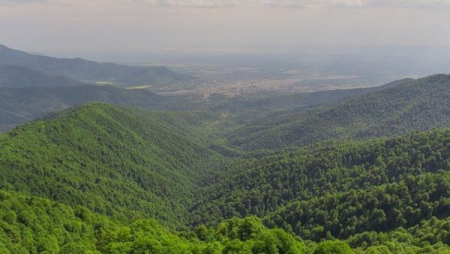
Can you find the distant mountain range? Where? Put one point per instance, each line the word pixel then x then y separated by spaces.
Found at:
pixel 82 70
pixel 17 76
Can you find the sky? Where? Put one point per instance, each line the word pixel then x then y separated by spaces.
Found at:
pixel 55 26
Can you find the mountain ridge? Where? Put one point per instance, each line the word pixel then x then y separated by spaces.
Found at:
pixel 417 105
pixel 90 71
pixel 18 76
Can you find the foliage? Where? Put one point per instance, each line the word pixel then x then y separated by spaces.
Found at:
pixel 37 225
pixel 333 247
pixel 337 191
pixel 32 224
pixel 118 162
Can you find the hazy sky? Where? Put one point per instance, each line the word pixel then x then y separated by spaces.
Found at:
pixel 157 25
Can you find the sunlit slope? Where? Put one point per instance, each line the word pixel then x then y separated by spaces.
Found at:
pixel 119 162
pixel 37 225
pixel 31 224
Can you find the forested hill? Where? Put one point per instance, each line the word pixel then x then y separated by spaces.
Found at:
pixel 417 105
pixel 83 179
pixel 17 76
pixel 20 105
pixel 118 162
pixel 355 190
pixel 84 70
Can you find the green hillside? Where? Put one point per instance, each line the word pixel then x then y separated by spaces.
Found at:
pixel 337 191
pixel 37 225
pixel 119 162
pixel 87 180
pixel 417 105
pixel 32 224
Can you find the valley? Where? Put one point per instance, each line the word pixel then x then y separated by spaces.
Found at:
pixel 221 168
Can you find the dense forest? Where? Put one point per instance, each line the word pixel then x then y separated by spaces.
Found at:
pixel 337 191
pixel 111 160
pixel 100 178
pixel 32 224
pixel 37 225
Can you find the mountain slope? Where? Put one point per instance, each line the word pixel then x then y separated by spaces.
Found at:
pixel 84 70
pixel 417 105
pixel 380 195
pixel 118 162
pixel 21 105
pixel 16 76
pixel 337 191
